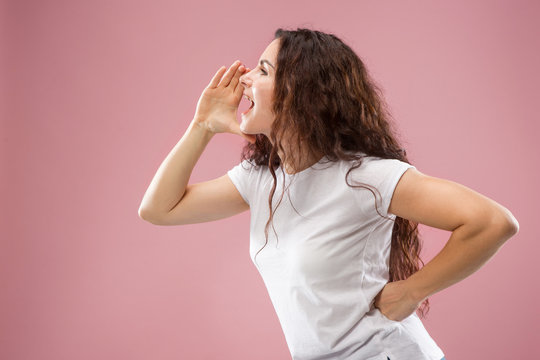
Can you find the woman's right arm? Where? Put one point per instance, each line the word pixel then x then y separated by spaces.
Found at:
pixel 169 200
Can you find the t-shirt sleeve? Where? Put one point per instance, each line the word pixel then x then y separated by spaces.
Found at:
pixel 241 176
pixel 384 175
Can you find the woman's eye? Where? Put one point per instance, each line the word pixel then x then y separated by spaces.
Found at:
pixel 264 72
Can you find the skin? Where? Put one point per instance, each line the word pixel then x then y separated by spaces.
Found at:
pixel 259 85
pixel 479 226
pixel 218 104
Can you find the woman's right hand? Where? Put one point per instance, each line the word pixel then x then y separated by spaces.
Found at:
pixel 218 104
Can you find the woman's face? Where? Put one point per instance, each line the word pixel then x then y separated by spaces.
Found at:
pixel 259 86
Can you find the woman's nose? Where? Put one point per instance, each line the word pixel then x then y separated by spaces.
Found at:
pixel 244 79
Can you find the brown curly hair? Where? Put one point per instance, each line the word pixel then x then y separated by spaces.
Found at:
pixel 325 99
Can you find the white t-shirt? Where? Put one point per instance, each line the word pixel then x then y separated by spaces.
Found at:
pixel 331 259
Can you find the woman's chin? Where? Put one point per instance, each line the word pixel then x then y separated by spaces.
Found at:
pixel 245 128
pixel 250 128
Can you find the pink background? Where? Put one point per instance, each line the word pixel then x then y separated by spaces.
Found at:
pixel 96 93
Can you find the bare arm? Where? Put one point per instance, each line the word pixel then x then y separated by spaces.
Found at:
pixel 479 226
pixel 169 183
pixel 215 113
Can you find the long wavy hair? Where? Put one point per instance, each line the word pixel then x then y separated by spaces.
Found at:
pixel 326 103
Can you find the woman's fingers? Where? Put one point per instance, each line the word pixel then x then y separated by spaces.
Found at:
pixel 229 74
pixel 234 81
pixel 215 80
pixel 239 89
pixel 231 77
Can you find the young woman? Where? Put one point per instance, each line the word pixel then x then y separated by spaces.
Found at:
pixel 342 263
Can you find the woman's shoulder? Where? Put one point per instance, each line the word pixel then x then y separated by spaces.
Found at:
pixel 371 166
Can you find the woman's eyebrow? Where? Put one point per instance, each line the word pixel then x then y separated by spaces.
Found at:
pixel 268 62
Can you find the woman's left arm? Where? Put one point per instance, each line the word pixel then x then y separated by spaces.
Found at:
pixel 479 226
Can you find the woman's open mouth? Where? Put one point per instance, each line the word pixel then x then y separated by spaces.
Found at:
pixel 252 104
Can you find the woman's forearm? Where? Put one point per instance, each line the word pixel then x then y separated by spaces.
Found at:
pixel 469 247
pixel 170 181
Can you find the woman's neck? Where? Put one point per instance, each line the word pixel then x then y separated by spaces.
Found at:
pixel 300 163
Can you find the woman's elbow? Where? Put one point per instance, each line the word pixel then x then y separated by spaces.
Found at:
pixel 505 222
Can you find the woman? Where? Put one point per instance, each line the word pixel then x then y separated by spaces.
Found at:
pixel 344 277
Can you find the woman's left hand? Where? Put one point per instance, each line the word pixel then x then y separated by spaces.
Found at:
pixel 395 301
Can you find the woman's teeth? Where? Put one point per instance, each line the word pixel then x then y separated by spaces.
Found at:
pixel 251 101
